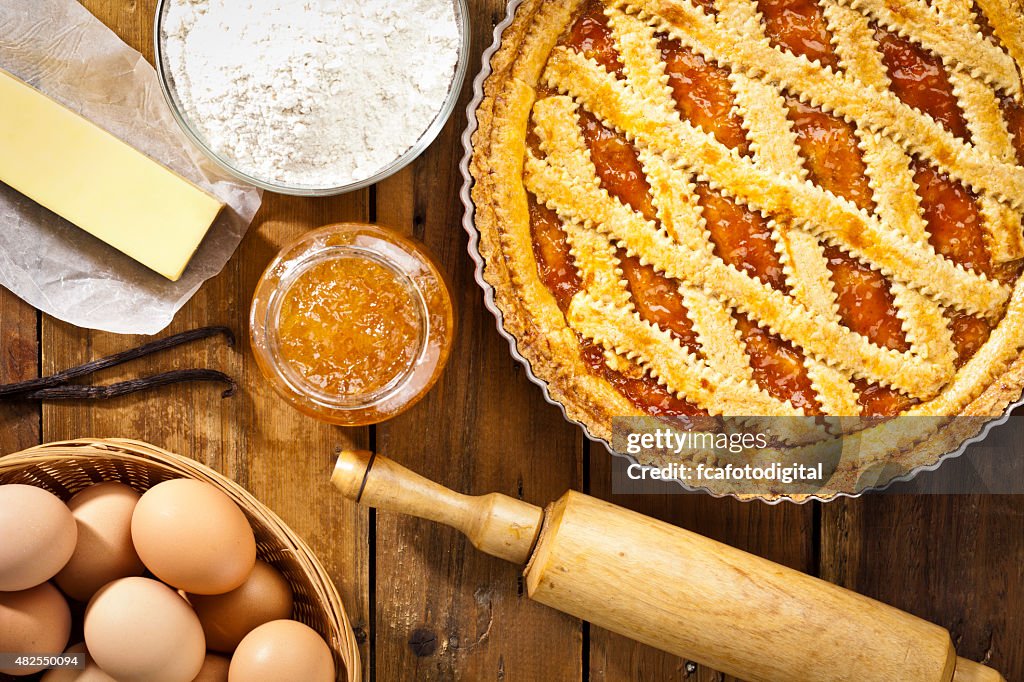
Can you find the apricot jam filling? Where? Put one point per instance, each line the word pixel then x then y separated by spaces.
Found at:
pixel 591 37
pixel 828 146
pixel 866 303
pixel 741 237
pixel 919 79
pixel 658 301
pixel 778 367
pixel 953 219
pixel 554 262
pixel 969 334
pixel 348 326
pixel 876 400
pixel 643 391
pixel 703 94
pixel 618 165
pixel 799 26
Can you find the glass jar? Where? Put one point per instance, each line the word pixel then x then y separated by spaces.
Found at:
pixel 352 323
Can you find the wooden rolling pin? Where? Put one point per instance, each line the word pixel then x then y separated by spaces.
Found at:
pixel 676 590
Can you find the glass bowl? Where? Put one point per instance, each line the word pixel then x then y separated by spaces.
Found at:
pixel 429 134
pixel 416 281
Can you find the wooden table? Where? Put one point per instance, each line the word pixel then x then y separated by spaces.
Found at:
pixel 425 605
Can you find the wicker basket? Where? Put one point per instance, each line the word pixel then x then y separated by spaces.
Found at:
pixel 65 468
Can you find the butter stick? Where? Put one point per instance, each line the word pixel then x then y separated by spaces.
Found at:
pixel 104 186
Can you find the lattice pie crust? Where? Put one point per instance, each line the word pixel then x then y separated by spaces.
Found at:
pixel 771 180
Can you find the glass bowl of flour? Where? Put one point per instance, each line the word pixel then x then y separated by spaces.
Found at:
pixel 312 97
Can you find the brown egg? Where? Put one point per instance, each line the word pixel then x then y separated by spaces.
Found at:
pixel 104 551
pixel 140 630
pixel 193 537
pixel 33 621
pixel 215 669
pixel 282 651
pixel 90 673
pixel 38 535
pixel 227 618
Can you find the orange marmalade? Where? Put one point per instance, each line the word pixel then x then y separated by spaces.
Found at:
pixel 352 323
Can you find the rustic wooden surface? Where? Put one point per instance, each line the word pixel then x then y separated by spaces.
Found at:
pixel 424 604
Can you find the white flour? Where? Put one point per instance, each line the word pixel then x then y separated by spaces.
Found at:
pixel 317 93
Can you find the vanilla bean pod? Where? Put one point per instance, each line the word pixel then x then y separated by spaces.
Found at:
pixel 86 392
pixel 34 385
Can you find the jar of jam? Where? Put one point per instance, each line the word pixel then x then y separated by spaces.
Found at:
pixel 352 323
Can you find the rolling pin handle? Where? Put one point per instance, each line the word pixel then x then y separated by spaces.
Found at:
pixel 496 524
pixel 351 472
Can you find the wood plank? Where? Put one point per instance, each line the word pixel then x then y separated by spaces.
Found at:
pixel 782 533
pixel 444 610
pixel 283 457
pixel 952 559
pixel 19 322
pixel 290 456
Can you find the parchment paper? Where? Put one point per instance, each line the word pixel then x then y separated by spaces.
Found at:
pixel 60 48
